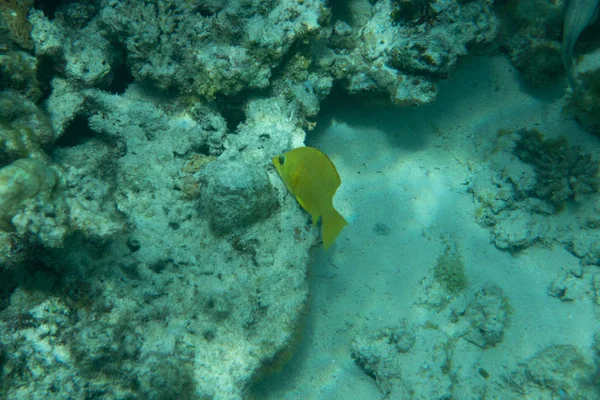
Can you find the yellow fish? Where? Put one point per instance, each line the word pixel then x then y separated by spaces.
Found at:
pixel 312 178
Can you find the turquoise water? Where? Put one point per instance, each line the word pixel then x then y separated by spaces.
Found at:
pixel 150 249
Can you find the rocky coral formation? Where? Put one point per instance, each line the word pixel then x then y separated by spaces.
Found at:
pixel 377 354
pixel 563 172
pixel 25 131
pixel 124 232
pixel 14 25
pixel 443 352
pixel 424 361
pixel 18 73
pixel 31 201
pixel 584 102
pixel 532 35
pixel 397 49
pixel 235 195
pixel 489 313
pixel 517 192
pixel 563 370
pixel 158 254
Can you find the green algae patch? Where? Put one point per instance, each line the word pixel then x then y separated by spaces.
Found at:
pixel 449 270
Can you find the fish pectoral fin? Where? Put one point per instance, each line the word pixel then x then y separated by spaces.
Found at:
pixel 314 217
pixel 302 204
pixel 294 182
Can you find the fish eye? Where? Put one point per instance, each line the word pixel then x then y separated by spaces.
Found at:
pixel 281 160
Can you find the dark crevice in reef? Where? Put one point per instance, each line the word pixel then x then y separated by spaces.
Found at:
pixel 49 6
pixel 77 133
pixel 340 10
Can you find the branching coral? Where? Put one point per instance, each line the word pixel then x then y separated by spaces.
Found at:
pixel 564 172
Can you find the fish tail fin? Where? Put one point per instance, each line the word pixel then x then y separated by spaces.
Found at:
pixel 333 223
pixel 569 68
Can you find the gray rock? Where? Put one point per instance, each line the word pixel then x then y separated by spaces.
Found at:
pixel 236 195
pixel 489 314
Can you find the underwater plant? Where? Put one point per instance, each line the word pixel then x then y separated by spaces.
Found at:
pixel 449 270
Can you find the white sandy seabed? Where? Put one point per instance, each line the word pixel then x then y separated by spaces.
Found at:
pixel 408 170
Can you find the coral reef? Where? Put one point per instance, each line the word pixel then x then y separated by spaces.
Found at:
pixel 562 369
pixel 423 361
pixel 146 299
pixel 14 24
pixel 234 195
pixel 584 102
pixel 18 72
pixel 569 286
pixel 151 250
pixel 489 313
pixel 139 186
pixel 228 47
pixel 520 194
pixel 440 355
pixel 30 201
pixel 41 202
pixel 531 35
pixel 25 131
pixel 377 354
pixel 541 64
pixel 563 172
pixel 14 253
pixel 397 49
pixel 445 355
